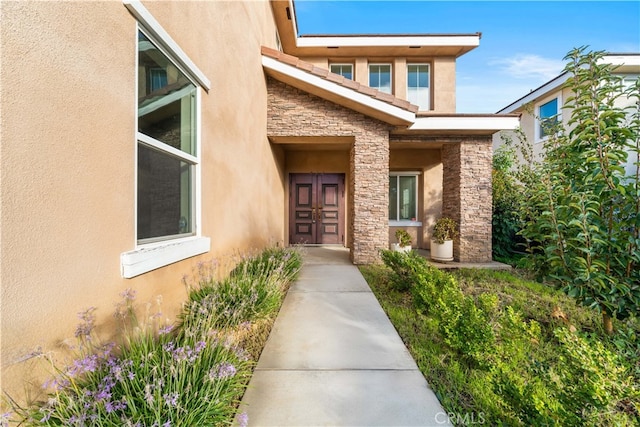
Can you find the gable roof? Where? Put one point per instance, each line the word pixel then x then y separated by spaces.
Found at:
pixel 336 88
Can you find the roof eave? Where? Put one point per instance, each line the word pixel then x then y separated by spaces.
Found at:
pixel 333 92
pixel 476 124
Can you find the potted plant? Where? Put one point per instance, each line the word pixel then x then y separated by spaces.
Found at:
pixel 404 241
pixel 444 230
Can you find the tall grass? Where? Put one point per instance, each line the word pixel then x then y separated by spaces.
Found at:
pixel 191 373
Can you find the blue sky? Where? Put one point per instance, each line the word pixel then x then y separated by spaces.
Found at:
pixel 522 46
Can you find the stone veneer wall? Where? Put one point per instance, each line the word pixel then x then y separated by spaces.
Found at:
pixel 292 112
pixel 467 196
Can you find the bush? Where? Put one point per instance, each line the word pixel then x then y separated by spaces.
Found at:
pixel 507 350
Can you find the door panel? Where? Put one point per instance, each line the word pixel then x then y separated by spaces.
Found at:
pixel 316 209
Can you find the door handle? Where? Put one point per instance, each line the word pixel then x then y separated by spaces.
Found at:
pixel 313 215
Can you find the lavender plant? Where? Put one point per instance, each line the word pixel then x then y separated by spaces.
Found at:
pixel 192 373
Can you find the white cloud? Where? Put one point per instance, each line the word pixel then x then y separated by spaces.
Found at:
pixel 529 66
pixel 489 96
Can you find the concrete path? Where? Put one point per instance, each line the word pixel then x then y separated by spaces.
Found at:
pixel 334 359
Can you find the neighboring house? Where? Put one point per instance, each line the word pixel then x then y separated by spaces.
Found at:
pixel 140 139
pixel 547 103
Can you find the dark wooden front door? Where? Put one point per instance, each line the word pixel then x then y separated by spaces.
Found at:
pixel 316 208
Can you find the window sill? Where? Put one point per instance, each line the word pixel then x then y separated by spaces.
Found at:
pixel 405 223
pixel 150 257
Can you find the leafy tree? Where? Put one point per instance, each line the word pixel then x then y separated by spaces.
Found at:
pixel 582 212
pixel 506 202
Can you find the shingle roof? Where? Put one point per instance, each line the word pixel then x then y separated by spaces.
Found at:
pixel 338 79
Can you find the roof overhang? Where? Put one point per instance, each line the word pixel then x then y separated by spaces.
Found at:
pixel 336 93
pixel 462 124
pixel 379 45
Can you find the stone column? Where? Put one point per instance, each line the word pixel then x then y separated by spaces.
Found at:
pixel 369 195
pixel 467 196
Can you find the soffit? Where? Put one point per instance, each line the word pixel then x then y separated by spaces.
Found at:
pixel 366 45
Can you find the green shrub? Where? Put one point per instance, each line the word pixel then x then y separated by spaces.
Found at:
pixel 500 346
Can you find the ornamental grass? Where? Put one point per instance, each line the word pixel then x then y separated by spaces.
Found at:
pixel 190 373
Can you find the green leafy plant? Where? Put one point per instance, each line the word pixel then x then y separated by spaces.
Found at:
pixel 510 351
pixel 581 211
pixel 403 237
pixel 190 373
pixel 444 229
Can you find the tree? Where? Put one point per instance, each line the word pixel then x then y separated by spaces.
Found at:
pixel 582 212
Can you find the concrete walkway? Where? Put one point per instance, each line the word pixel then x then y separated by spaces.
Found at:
pixel 334 359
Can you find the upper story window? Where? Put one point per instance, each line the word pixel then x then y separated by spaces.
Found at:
pixel 345 70
pixel 418 85
pixel 380 77
pixel 167 150
pixel 403 197
pixel 549 116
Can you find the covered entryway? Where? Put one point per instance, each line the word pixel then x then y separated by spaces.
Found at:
pixel 316 208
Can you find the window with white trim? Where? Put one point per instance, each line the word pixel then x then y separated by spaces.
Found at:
pixel 403 197
pixel 167 151
pixel 549 116
pixel 345 70
pixel 418 85
pixel 380 77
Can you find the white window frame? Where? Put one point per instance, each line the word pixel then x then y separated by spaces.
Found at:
pixel 404 222
pixel 343 64
pixel 149 255
pixel 390 76
pixel 428 106
pixel 538 137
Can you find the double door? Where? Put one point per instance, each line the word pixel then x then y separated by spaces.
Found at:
pixel 316 208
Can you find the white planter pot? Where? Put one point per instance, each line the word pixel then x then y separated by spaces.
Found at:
pixel 396 247
pixel 442 251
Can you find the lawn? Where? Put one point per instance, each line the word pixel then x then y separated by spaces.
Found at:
pixel 498 349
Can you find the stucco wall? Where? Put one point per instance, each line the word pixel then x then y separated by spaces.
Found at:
pixel 442 76
pixel 428 163
pixel 68 160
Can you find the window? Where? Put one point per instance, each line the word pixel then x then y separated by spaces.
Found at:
pixel 345 70
pixel 549 116
pixel 418 85
pixel 380 77
pixel 167 154
pixel 403 197
pixel 168 150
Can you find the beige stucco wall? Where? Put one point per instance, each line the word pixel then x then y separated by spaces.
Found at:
pixel 443 76
pixel 444 85
pixel 68 160
pixel 428 162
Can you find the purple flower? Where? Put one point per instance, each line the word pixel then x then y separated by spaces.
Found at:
pixel 4 419
pixel 167 424
pixel 171 399
pixel 243 419
pixel 83 330
pixel 222 371
pixel 165 329
pixel 128 294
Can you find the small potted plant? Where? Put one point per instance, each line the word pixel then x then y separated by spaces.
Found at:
pixel 404 240
pixel 444 230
